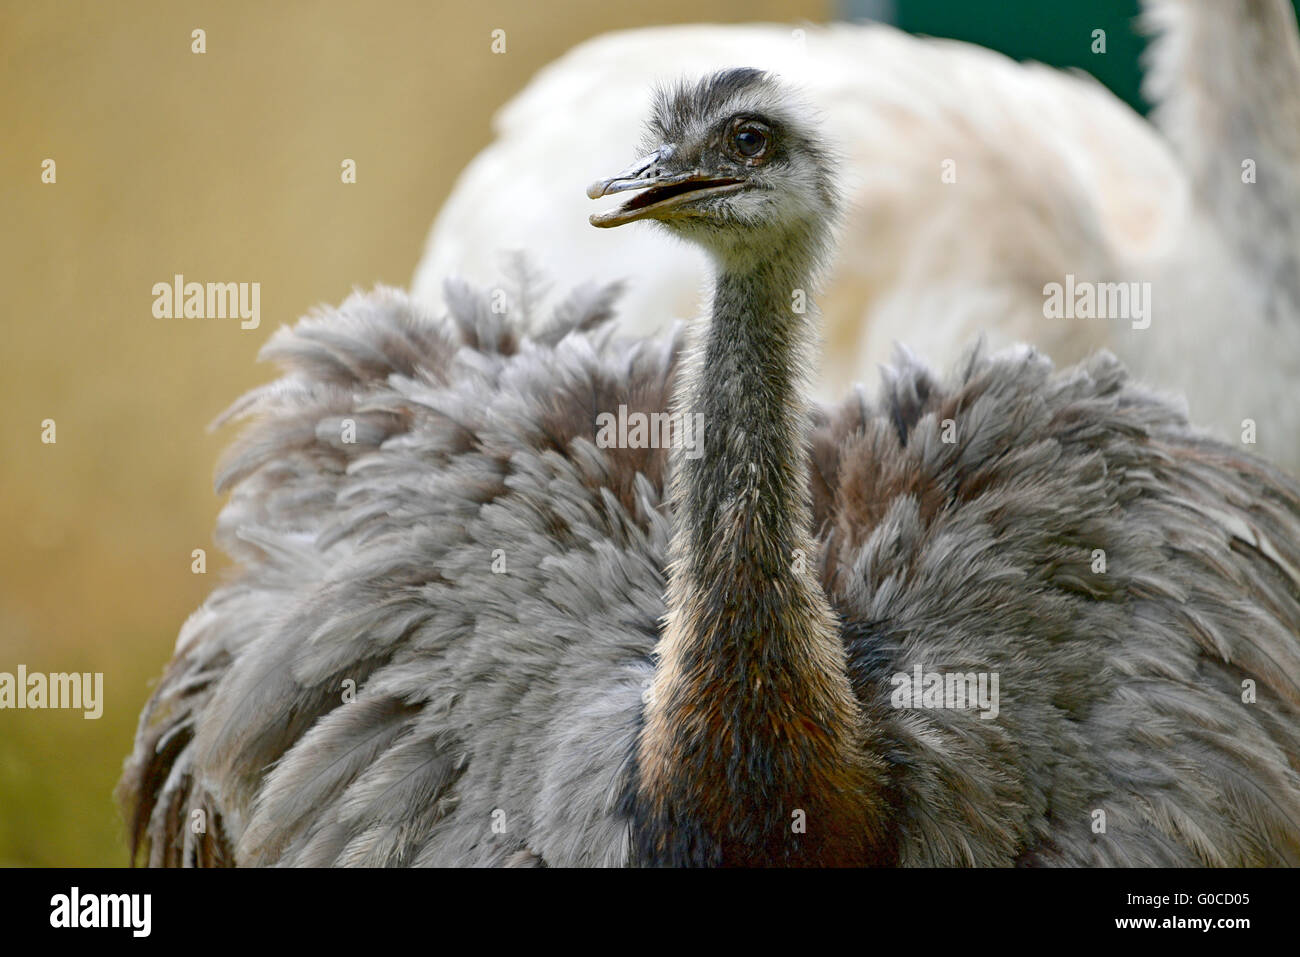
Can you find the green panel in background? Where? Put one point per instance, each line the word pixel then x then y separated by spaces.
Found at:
pixel 1057 32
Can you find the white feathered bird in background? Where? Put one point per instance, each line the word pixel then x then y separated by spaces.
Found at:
pixel 1054 177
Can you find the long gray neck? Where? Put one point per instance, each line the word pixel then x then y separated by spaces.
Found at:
pixel 744 501
pixel 751 717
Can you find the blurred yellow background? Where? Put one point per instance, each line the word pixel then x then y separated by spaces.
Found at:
pixel 224 167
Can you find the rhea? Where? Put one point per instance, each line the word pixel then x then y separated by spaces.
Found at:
pixel 751 687
pixel 466 633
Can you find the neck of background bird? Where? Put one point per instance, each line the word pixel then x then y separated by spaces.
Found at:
pixel 1225 78
pixel 752 724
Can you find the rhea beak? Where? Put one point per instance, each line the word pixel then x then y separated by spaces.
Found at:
pixel 664 192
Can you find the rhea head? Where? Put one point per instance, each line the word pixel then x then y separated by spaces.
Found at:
pixel 731 164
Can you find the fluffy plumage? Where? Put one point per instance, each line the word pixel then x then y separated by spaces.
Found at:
pixel 495 714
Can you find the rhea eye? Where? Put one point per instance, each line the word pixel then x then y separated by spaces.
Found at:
pixel 750 140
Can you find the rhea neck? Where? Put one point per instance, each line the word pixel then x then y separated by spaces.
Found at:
pixel 744 501
pixel 752 722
